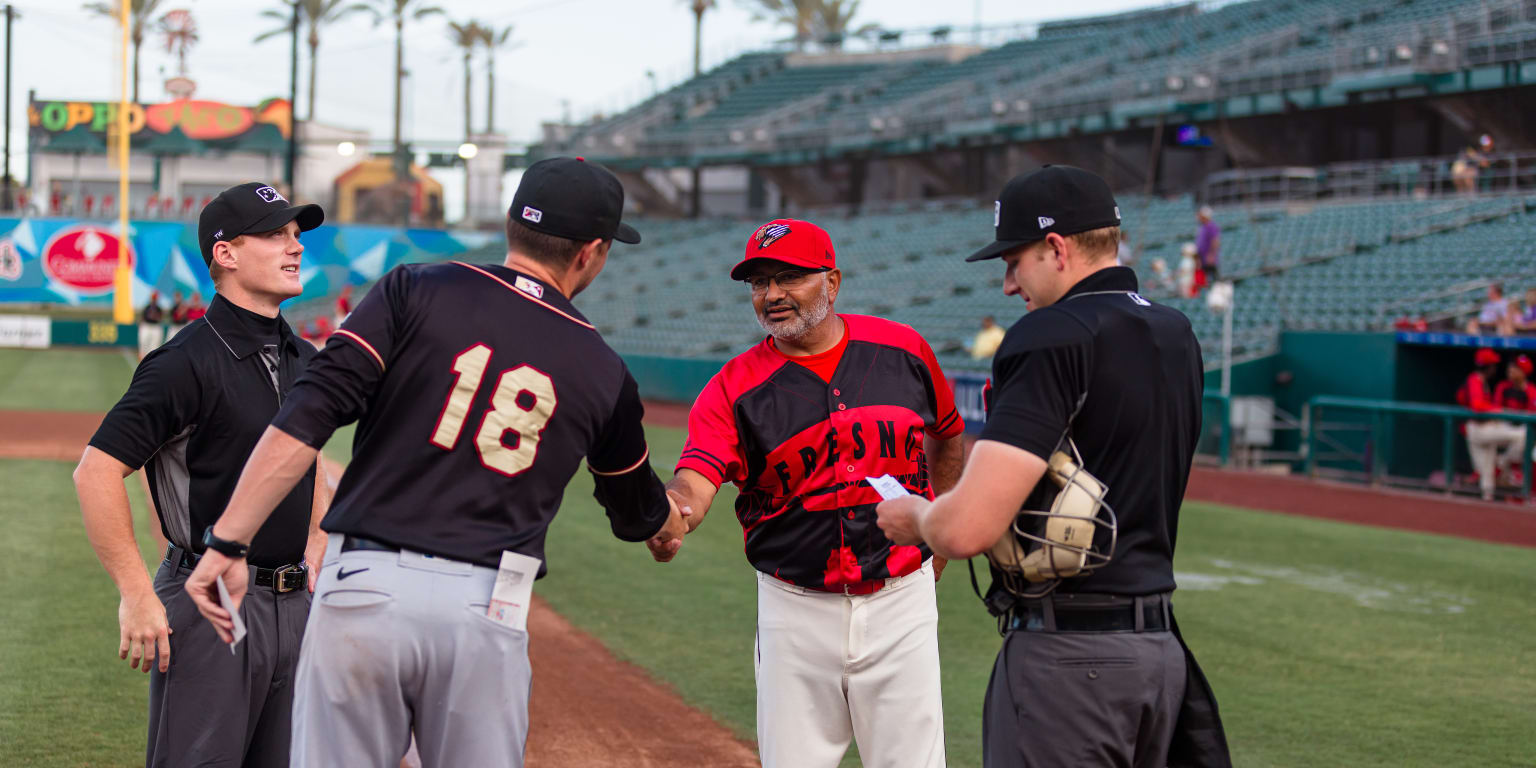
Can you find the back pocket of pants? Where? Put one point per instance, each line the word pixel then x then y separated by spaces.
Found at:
pixel 354 598
pixel 1096 663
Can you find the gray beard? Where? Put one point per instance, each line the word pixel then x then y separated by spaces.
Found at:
pixel 804 320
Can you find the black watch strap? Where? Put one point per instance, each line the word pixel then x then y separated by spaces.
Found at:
pixel 227 548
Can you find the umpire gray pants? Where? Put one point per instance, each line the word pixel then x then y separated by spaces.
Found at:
pixel 1068 699
pixel 212 707
pixel 400 641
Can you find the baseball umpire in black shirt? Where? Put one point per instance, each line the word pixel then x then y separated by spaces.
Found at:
pixel 1097 394
pixel 195 409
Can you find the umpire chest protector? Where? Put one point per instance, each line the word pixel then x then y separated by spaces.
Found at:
pixel 1106 387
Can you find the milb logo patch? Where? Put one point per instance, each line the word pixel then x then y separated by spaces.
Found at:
pixel 533 214
pixel 767 234
pixel 269 195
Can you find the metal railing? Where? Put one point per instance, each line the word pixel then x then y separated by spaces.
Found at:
pixel 1419 177
pixel 1323 444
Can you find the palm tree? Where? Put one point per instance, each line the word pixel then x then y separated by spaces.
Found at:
pixel 698 7
pixel 317 14
pixel 468 36
pixel 796 13
pixel 493 40
pixel 831 18
pixel 139 14
pixel 398 10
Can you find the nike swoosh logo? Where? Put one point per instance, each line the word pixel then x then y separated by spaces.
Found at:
pixel 342 573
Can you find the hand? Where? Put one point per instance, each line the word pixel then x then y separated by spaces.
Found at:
pixel 899 519
pixel 143 631
pixel 938 567
pixel 205 592
pixel 665 544
pixel 314 555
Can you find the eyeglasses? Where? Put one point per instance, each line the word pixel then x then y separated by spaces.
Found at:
pixel 789 280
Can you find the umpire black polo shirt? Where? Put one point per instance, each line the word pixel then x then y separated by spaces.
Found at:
pixel 1124 376
pixel 192 415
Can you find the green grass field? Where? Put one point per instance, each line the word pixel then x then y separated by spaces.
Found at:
pixel 1328 644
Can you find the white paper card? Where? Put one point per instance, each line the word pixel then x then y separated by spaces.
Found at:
pixel 229 605
pixel 888 487
pixel 513 591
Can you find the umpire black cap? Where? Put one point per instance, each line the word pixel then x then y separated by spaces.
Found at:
pixel 571 198
pixel 1056 198
pixel 250 207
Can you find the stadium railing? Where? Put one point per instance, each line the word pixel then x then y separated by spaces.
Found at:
pixel 1373 419
pixel 1507 173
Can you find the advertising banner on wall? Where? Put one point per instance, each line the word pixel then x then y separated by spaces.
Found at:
pixel 70 262
pixel 29 331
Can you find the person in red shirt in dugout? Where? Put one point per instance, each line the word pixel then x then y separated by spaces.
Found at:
pixel 1492 443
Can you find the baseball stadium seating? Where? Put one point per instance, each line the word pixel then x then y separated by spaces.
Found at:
pixel 1332 266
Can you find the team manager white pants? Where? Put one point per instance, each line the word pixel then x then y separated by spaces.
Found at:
pixel 834 667
pixel 1493 445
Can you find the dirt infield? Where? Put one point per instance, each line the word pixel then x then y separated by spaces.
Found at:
pixel 54 435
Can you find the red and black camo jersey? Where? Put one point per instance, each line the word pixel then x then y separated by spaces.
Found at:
pixel 799 449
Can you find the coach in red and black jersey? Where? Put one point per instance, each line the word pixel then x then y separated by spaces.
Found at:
pixel 847 625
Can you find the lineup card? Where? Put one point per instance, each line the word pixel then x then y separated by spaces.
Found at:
pixel 888 487
pixel 229 605
pixel 513 591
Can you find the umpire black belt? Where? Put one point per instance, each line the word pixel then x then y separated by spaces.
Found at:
pixel 1076 612
pixel 359 544
pixel 284 578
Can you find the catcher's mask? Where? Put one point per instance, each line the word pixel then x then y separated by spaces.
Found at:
pixel 1067 549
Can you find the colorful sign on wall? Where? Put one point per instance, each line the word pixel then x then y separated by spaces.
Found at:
pixel 69 262
pixel 202 120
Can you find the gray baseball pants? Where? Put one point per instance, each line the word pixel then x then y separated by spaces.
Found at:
pixel 1067 699
pixel 399 641
pixel 216 708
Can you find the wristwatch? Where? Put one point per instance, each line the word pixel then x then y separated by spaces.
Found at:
pixel 227 548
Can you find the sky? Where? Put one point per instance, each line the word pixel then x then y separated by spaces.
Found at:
pixel 584 56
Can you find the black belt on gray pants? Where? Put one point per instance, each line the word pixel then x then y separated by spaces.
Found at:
pixel 1078 612
pixel 284 578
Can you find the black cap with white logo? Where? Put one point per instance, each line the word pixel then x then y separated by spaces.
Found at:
pixel 571 198
pixel 1056 198
pixel 250 208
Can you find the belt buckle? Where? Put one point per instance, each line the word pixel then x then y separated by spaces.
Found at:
pixel 278 583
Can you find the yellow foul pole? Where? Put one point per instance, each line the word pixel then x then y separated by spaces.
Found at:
pixel 122 297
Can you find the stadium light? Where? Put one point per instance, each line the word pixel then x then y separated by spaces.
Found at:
pixel 1404 53
pixel 1202 81
pixel 1175 83
pixel 761 134
pixel 999 107
pixel 876 124
pixel 1439 48
pixel 346 149
pixel 1022 105
pixel 468 150
pixel 737 137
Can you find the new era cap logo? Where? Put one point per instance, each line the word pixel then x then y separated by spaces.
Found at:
pixel 533 214
pixel 1046 221
pixel 269 194
pixel 997 213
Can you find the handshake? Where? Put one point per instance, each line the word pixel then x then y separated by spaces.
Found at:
pixel 665 544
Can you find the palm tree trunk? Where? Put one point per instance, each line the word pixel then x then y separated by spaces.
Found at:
pixel 490 89
pixel 314 64
pixel 698 35
pixel 136 44
pixel 468 85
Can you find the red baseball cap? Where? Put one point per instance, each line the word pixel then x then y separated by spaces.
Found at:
pixel 1524 364
pixel 791 241
pixel 1486 357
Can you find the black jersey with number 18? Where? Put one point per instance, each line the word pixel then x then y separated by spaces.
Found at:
pixel 478 390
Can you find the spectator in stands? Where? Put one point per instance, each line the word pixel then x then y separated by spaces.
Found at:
pixel 1524 320
pixel 1491 443
pixel 1495 316
pixel 987 339
pixel 1208 244
pixel 1464 169
pixel 1161 280
pixel 343 304
pixel 1124 256
pixel 151 332
pixel 178 313
pixel 196 308
pixel 1190 278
